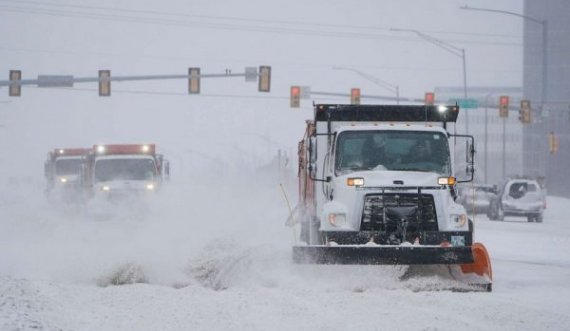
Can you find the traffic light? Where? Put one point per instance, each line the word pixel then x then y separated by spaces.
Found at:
pixel 295 96
pixel 355 96
pixel 104 83
pixel 194 80
pixel 15 89
pixel 504 106
pixel 264 79
pixel 525 112
pixel 552 143
pixel 429 98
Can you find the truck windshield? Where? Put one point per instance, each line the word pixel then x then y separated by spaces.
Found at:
pixel 392 150
pixel 67 167
pixel 124 169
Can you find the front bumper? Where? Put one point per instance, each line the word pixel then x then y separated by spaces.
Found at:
pixel 433 238
pixel 394 255
pixel 512 210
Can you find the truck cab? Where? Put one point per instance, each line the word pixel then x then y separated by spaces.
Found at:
pixel 117 172
pixel 368 164
pixel 62 170
pixel 377 186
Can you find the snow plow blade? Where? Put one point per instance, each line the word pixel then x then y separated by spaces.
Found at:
pixel 353 254
pixel 480 271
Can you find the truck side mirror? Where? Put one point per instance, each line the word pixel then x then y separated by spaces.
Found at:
pixel 312 170
pixel 469 157
pixel 470 169
pixel 469 152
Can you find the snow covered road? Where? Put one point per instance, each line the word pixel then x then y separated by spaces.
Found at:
pixel 221 261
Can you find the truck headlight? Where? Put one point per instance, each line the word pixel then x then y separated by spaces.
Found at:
pixel 105 188
pixel 150 186
pixel 356 181
pixel 446 180
pixel 337 219
pixel 459 220
pixel 63 180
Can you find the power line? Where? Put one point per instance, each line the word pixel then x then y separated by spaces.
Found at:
pixel 222 26
pixel 185 60
pixel 241 19
pixel 315 95
pixel 145 92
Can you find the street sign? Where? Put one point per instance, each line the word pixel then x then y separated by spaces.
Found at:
pixel 250 74
pixel 55 81
pixel 465 103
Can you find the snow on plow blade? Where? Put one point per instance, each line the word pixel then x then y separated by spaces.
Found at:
pixel 356 254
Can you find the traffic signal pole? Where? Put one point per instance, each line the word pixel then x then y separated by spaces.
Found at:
pixel 69 80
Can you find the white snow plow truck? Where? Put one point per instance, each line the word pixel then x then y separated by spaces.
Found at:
pixel 125 171
pixel 62 170
pixel 377 186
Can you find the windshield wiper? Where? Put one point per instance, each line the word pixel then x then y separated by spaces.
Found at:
pixel 414 169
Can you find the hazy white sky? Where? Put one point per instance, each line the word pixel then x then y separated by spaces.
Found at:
pixel 301 40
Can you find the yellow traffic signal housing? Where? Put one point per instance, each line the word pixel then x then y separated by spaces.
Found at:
pixel 15 89
pixel 525 114
pixel 264 79
pixel 104 83
pixel 295 96
pixel 429 98
pixel 504 106
pixel 553 143
pixel 193 80
pixel 355 96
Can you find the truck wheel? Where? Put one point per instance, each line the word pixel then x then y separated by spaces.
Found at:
pixel 530 219
pixel 538 219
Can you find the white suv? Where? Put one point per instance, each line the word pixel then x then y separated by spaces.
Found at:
pixel 519 197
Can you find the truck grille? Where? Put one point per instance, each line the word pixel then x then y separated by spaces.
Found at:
pixel 385 212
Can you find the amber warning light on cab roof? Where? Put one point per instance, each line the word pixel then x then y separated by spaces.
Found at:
pixel 125 149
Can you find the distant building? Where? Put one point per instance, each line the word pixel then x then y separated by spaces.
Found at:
pixel 551 105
